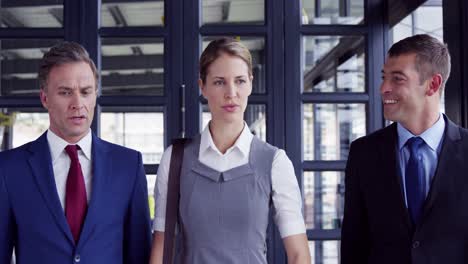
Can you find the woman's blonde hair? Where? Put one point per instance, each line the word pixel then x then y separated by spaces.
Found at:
pixel 216 48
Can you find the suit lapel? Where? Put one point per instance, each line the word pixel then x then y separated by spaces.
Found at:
pixel 101 167
pixel 41 165
pixel 449 156
pixel 391 170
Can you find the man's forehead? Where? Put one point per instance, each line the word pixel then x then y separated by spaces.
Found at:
pixel 400 62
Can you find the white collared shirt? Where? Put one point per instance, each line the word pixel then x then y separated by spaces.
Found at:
pixel 61 162
pixel 286 194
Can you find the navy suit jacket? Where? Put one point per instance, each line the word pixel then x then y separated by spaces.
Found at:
pixel 32 220
pixel 376 225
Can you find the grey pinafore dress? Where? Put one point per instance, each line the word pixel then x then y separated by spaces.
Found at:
pixel 224 215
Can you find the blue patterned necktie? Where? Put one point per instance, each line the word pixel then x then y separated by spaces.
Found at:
pixel 415 180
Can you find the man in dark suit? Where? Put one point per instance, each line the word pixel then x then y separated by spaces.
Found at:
pixel 407 184
pixel 70 197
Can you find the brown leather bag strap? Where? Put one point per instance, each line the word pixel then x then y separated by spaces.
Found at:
pixel 172 205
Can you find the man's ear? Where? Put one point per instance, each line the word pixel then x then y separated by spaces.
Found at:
pixel 44 99
pixel 435 83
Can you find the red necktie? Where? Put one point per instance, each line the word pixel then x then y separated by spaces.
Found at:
pixel 75 197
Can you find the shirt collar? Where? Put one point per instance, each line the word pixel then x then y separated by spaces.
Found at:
pixel 432 136
pixel 58 144
pixel 242 143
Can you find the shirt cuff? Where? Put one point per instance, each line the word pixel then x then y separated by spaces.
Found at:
pixel 291 228
pixel 159 224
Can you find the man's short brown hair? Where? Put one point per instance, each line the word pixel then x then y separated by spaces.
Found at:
pixel 432 56
pixel 61 53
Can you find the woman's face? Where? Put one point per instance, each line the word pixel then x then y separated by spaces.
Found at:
pixel 227 88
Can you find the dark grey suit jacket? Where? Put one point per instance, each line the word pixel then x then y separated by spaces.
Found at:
pixel 376 225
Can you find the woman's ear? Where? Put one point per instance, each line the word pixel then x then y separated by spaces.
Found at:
pixel 202 87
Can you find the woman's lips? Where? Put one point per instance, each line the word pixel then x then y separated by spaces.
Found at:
pixel 230 108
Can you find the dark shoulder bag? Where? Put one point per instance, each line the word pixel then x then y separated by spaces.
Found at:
pixel 172 203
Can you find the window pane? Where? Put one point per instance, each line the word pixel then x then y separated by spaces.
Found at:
pixel 323 199
pixel 256 46
pixel 254 116
pixel 332 11
pixel 141 129
pixel 324 252
pixel 233 11
pixel 151 181
pixel 333 64
pixel 132 13
pixel 330 128
pixel 19 65
pixel 132 66
pixel 25 126
pixel 33 13
pixel 427 20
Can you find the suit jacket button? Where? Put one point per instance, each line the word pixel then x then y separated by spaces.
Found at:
pixel 77 258
pixel 415 244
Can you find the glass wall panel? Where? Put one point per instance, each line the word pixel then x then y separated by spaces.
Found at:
pixel 330 128
pixel 132 66
pixel 19 65
pixel 132 13
pixel 323 199
pixel 20 126
pixel 256 46
pixel 426 19
pixel 32 13
pixel 325 252
pixel 138 128
pixel 333 64
pixel 233 11
pixel 254 116
pixel 151 181
pixel 332 11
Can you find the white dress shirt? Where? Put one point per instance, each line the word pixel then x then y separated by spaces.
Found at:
pixel 286 195
pixel 61 162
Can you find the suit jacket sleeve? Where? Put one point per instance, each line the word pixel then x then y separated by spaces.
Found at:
pixel 354 232
pixel 7 225
pixel 137 233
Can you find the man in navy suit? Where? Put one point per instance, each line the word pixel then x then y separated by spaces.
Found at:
pixel 70 197
pixel 407 184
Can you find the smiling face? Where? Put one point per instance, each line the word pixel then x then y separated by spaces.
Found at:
pixel 70 98
pixel 405 97
pixel 227 88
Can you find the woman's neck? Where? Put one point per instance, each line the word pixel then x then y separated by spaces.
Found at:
pixel 224 135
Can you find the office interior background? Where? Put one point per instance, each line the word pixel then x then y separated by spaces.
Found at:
pixel 317 71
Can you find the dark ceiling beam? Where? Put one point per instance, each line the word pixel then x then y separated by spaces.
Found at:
pixel 47 43
pixel 9 20
pixel 399 9
pixel 117 15
pixel 57 13
pixel 132 81
pixel 326 66
pixel 433 3
pixel 109 82
pixel 108 63
pixel 29 3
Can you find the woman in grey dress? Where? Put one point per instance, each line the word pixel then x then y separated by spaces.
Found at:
pixel 229 178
